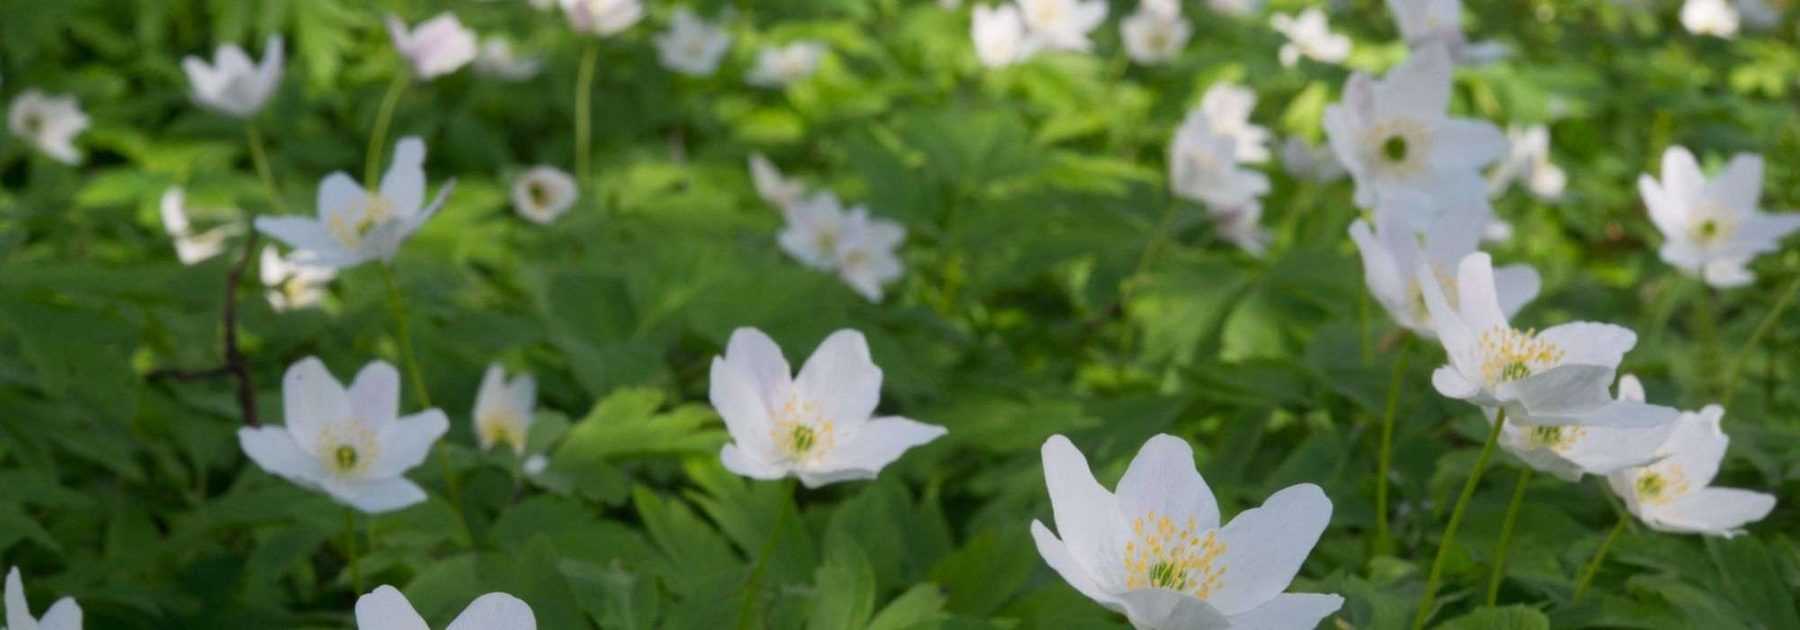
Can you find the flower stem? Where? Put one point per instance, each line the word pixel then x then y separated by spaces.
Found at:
pixel 584 84
pixel 753 586
pixel 1456 516
pixel 403 336
pixel 378 139
pixel 350 550
pixel 1384 543
pixel 1762 330
pixel 1593 567
pixel 1506 531
pixel 260 158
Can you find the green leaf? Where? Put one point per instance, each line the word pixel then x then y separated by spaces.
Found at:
pixel 845 585
pixel 922 605
pixel 1500 618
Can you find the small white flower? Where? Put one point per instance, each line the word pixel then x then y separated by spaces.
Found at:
pixel 535 465
pixel 1556 377
pixel 1710 17
pixel 543 193
pixel 1157 552
pixel 1528 157
pixel 780 66
pixel 1394 251
pixel 1712 228
pixel 1227 107
pixel 503 409
pixel 1425 23
pixel 190 248
pixel 1392 134
pixel 1675 494
pixel 232 85
pixel 386 608
pixel 1309 35
pixel 865 257
pixel 1062 24
pixel 1152 35
pixel 1235 8
pixel 1570 452
pixel 1203 166
pixel 816 426
pixel 65 614
pixel 775 188
pixel 355 226
pixel 49 123
pixel 497 59
pixel 438 46
pixel 1304 161
pixel 292 283
pixel 815 225
pixel 692 45
pixel 1000 37
pixel 602 17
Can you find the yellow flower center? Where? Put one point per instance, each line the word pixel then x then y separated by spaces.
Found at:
pixel 1509 354
pixel 501 425
pixel 801 432
pixel 1661 484
pixel 347 448
pixel 1397 146
pixel 1556 438
pixel 1162 555
pixel 1715 225
pixel 350 226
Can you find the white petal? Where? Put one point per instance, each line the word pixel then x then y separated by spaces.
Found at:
pixel 376 496
pixel 1056 554
pixel 842 378
pixel 1289 611
pixel 337 193
pixel 18 614
pixel 406 442
pixel 1418 87
pixel 735 397
pixel 1087 516
pixel 1451 383
pixel 301 233
pixel 1452 331
pixel 1681 177
pixel 1380 271
pixel 1722 511
pixel 311 399
pixel 495 611
pixel 65 614
pixel 375 394
pixel 758 356
pixel 1630 388
pixel 1740 185
pixel 880 442
pixel 1589 343
pixel 1564 390
pixel 1162 478
pixel 404 183
pixel 1467 144
pixel 1698 445
pixel 386 609
pixel 274 449
pixel 1164 609
pixel 1606 450
pixel 740 461
pixel 1479 301
pixel 1265 546
pixel 1516 286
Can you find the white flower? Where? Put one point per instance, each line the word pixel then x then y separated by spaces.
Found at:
pixel 865 257
pixel 49 123
pixel 65 614
pixel 1710 17
pixel 1304 161
pixel 292 283
pixel 775 188
pixel 815 225
pixel 1675 494
pixel 1226 107
pixel 503 409
pixel 1712 228
pixel 691 45
pixel 779 66
pixel 1153 35
pixel 1000 37
pixel 386 608
pixel 498 60
pixel 1424 23
pixel 1237 8
pixel 1242 226
pixel 438 46
pixel 543 193
pixel 1062 24
pixel 602 17
pixel 535 465
pixel 1569 452
pixel 190 248
pixel 1394 251
pixel 355 226
pixel 1156 550
pixel 1528 157
pixel 816 426
pixel 232 85
pixel 1556 377
pixel 1309 35
pixel 1203 166
pixel 351 444
pixel 1392 134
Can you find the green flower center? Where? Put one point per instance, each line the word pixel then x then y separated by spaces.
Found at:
pixel 345 457
pixel 1394 148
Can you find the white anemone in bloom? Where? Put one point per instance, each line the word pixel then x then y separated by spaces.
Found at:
pixel 779 66
pixel 777 189
pixel 1426 23
pixel 503 409
pixel 497 59
pixel 1559 376
pixel 1393 252
pixel 602 17
pixel 190 247
pixel 49 123
pixel 1062 24
pixel 1000 37
pixel 1710 17
pixel 1392 133
pixel 1227 107
pixel 350 444
pixel 1570 452
pixel 1157 552
pixel 1305 161
pixel 438 46
pixel 1675 494
pixel 543 193
pixel 817 426
pixel 1309 35
pixel 292 283
pixel 865 257
pixel 65 614
pixel 386 608
pixel 232 85
pixel 815 225
pixel 1528 158
pixel 1203 166
pixel 355 226
pixel 1156 33
pixel 1711 227
pixel 692 46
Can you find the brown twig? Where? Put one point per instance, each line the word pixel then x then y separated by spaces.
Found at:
pixel 236 366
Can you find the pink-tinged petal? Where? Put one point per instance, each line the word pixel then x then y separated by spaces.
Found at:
pixel 842 378
pixel 375 394
pixel 758 356
pixel 312 399
pixel 495 611
pixel 1162 479
pixel 1296 611
pixel 386 609
pixel 407 441
pixel 1265 546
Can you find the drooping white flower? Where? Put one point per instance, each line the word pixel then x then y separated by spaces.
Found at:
pixel 438 46
pixel 1393 134
pixel 815 225
pixel 692 46
pixel 65 614
pixel 1305 161
pixel 503 409
pixel 1425 23
pixel 385 608
pixel 497 59
pixel 1062 24
pixel 1394 250
pixel 232 85
pixel 1227 107
pixel 1675 493
pixel 602 17
pixel 1712 227
pixel 1203 166
pixel 1528 158
pixel 1156 33
pixel 543 193
pixel 1000 37
pixel 1559 376
pixel 292 283
pixel 1309 35
pixel 1157 551
pixel 49 123
pixel 190 247
pixel 779 66
pixel 355 226
pixel 865 257
pixel 1570 452
pixel 1710 17
pixel 775 188
pixel 350 444
pixel 816 426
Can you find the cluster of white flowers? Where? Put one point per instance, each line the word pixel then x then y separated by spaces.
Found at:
pixel 48 123
pixel 1156 33
pixel 1309 35
pixel 1006 34
pixel 1207 162
pixel 822 234
pixel 190 246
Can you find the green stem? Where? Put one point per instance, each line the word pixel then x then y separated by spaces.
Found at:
pixel 350 554
pixel 1506 531
pixel 1456 516
pixel 378 139
pixel 1706 321
pixel 1384 543
pixel 753 586
pixel 1593 567
pixel 259 157
pixel 403 336
pixel 1762 330
pixel 584 87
